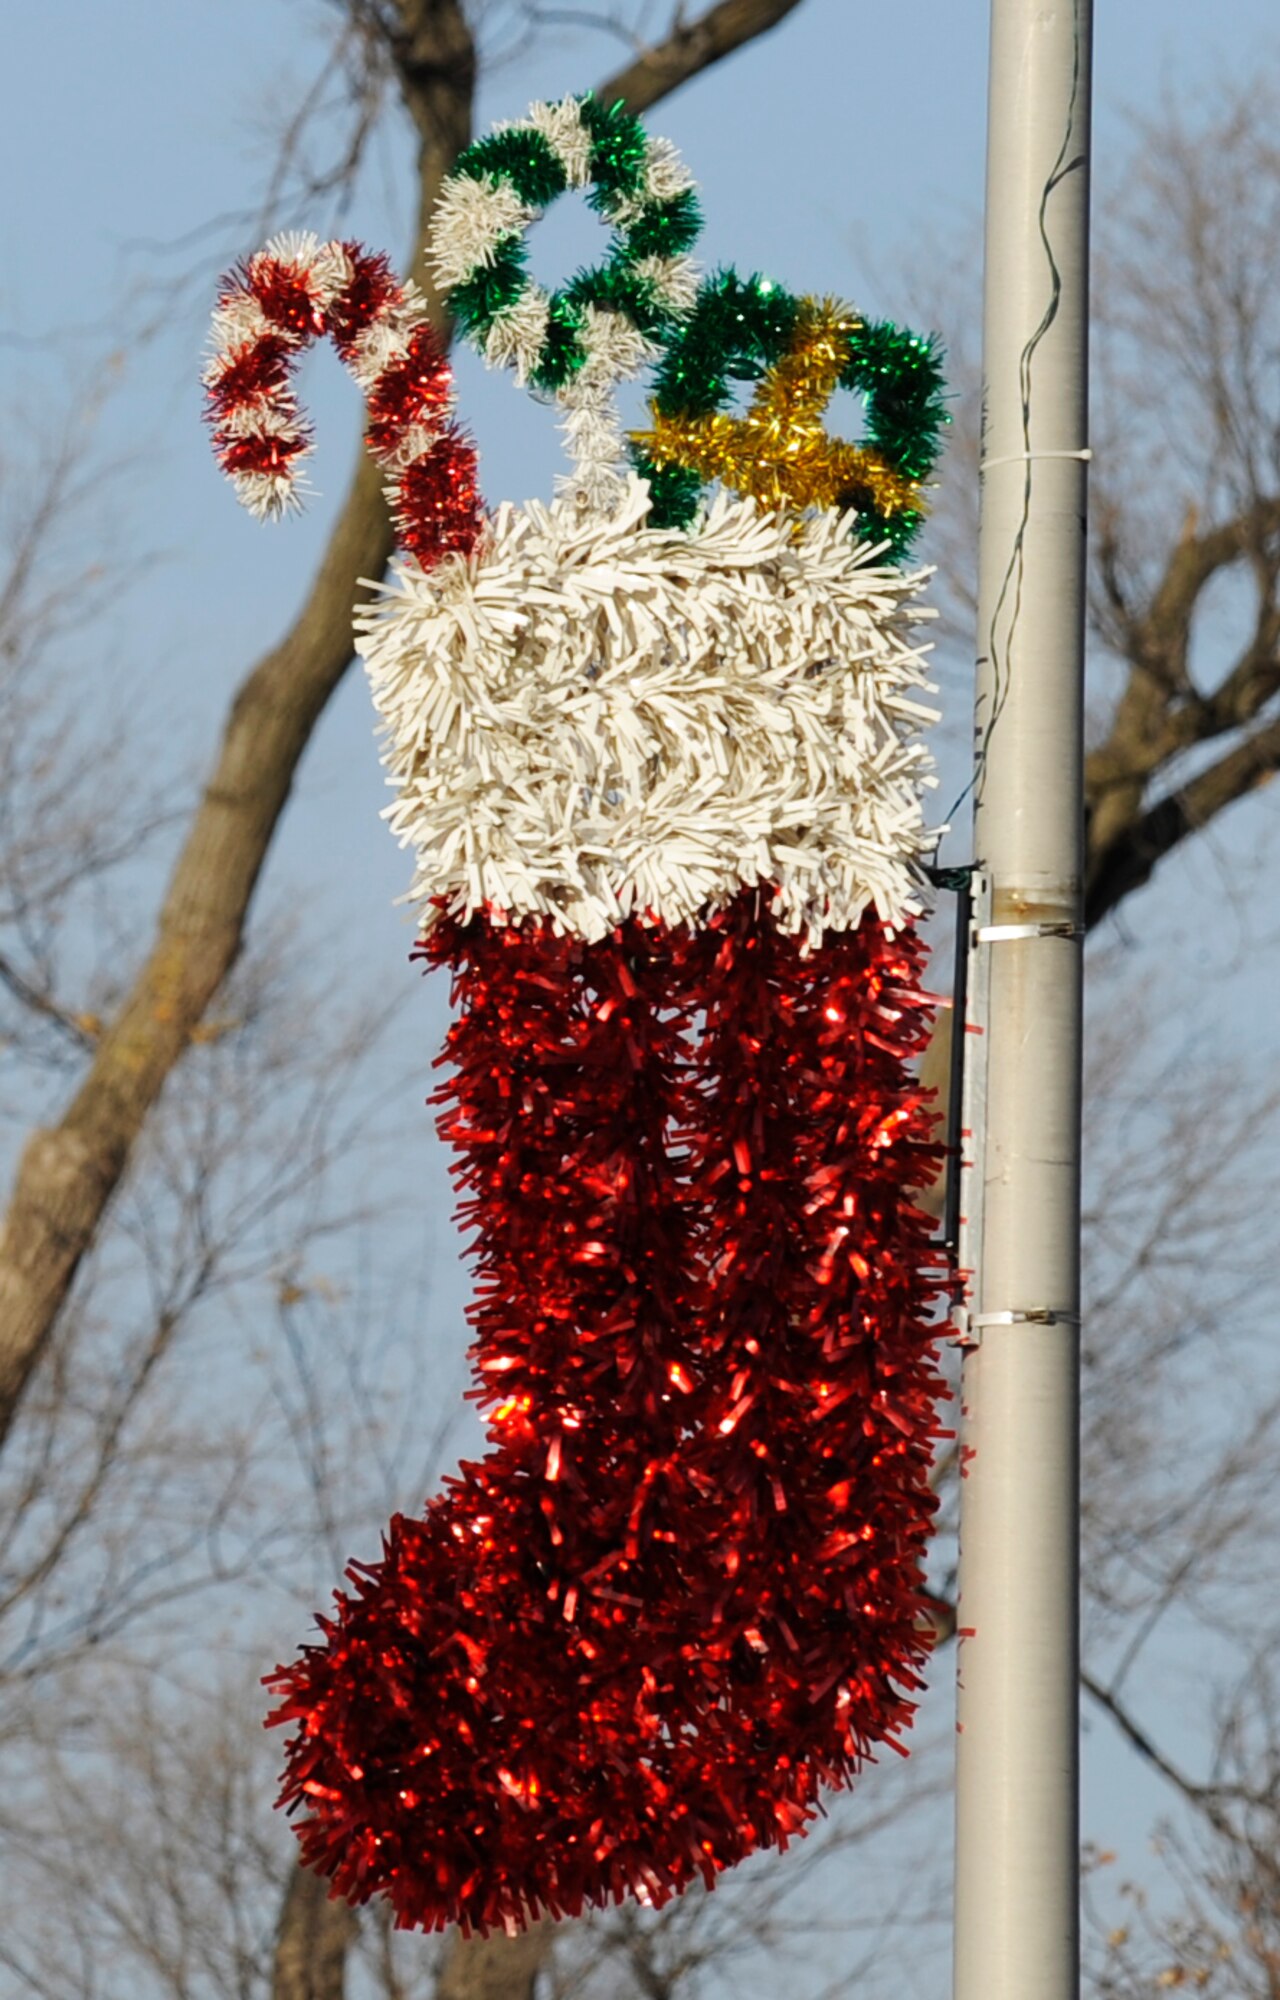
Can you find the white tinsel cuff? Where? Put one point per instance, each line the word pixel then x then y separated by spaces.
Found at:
pixel 589 717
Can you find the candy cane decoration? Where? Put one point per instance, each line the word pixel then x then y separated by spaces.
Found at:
pixel 297 290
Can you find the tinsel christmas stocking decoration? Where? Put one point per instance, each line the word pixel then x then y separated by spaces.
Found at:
pixel 657 762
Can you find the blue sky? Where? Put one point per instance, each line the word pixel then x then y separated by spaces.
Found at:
pixel 826 153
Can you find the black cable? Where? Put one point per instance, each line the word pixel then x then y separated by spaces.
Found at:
pixel 1013 575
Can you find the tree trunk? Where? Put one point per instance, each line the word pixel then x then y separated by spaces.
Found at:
pixel 311 1943
pixel 494 1968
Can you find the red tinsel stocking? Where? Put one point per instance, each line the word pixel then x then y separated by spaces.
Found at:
pixel 683 1589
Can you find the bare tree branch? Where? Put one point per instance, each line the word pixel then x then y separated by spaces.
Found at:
pixel 1140 1740
pixel 690 47
pixel 79 1029
pixel 1188 412
pixel 1133 854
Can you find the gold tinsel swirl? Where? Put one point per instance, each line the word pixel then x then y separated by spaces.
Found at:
pixel 779 452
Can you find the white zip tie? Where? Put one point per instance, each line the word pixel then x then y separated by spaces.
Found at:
pixel 995 933
pixel 1033 1316
pixel 1023 457
pixel 968 1325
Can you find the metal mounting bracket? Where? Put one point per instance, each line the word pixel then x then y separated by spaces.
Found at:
pixel 965 1191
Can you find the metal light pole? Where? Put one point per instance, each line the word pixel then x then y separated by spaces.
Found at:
pixel 1017 1870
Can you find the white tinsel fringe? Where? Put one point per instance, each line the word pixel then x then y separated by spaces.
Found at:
pixel 562 127
pixel 472 217
pixel 590 717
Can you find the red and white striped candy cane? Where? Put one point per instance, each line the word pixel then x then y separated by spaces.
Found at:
pixel 269 310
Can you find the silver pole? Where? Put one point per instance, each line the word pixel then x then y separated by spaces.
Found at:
pixel 1017 1821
